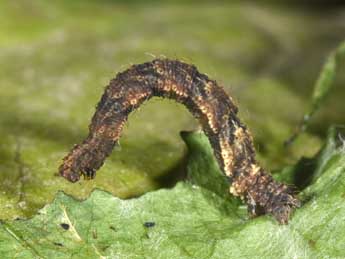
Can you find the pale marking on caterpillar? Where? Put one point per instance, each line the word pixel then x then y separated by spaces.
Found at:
pixel 209 103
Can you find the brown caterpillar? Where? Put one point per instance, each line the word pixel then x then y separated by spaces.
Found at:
pixel 209 103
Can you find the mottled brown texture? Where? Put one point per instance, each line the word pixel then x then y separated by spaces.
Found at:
pixel 209 103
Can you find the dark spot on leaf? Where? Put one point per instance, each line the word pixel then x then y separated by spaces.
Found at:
pixel 113 228
pixel 58 244
pixel 103 248
pixel 311 243
pixel 94 234
pixel 149 224
pixel 65 226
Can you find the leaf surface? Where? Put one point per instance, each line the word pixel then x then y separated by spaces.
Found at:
pixel 195 219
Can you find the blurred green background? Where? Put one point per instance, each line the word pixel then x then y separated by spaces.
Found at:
pixel 56 57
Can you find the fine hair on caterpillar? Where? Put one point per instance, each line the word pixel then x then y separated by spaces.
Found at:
pixel 210 104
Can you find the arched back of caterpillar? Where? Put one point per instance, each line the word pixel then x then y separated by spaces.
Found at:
pixel 209 103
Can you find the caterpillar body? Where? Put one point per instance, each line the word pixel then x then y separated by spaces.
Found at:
pixel 210 104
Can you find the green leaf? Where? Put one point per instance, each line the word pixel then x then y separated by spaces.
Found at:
pixel 322 88
pixel 195 219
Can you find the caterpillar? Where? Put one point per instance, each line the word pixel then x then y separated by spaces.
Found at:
pixel 230 139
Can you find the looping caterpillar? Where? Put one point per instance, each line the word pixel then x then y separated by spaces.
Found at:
pixel 209 103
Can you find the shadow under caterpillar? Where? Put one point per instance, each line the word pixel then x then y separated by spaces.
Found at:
pixel 209 103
